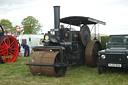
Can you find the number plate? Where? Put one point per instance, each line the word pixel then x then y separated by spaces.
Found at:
pixel 114 65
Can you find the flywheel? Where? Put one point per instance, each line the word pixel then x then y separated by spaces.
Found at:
pixel 8 49
pixel 50 59
pixel 85 35
pixel 91 52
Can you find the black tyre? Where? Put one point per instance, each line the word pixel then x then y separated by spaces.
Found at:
pixel 102 69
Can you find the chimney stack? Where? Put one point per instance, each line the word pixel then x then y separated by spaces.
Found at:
pixel 56 19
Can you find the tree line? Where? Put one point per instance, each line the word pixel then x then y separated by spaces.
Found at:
pixel 30 25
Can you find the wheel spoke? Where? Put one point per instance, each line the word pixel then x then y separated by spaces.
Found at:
pixel 5 43
pixel 11 45
pixel 8 41
pixel 3 47
pixel 3 52
pixel 9 58
pixel 12 52
pixel 56 59
pixel 13 49
pixel 6 54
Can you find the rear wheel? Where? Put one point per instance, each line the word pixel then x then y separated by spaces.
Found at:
pixel 8 49
pixel 91 52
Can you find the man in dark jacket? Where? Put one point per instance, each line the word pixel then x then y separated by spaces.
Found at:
pixel 26 47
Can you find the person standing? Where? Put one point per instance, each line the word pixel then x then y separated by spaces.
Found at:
pixel 26 47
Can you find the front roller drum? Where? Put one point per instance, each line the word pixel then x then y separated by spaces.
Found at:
pixel 8 49
pixel 47 58
pixel 91 52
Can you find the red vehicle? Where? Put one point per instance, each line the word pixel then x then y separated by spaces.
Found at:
pixel 8 47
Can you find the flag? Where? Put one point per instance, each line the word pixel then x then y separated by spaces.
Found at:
pixel 19 28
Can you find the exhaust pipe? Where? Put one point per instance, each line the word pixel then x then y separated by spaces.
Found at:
pixel 56 19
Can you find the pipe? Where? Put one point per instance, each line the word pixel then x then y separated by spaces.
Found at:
pixel 56 19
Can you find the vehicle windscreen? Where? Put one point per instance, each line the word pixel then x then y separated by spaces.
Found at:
pixel 118 39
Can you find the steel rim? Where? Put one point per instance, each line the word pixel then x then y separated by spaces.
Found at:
pixel 91 52
pixel 8 49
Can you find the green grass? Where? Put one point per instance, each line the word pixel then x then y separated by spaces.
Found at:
pixel 17 73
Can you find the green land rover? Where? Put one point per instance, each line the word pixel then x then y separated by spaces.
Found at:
pixel 115 55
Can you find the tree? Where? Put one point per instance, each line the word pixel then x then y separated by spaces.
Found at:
pixel 104 39
pixel 6 24
pixel 30 25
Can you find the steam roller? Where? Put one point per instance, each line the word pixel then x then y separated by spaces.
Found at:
pixel 8 47
pixel 65 46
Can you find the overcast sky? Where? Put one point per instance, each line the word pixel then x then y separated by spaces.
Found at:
pixel 113 12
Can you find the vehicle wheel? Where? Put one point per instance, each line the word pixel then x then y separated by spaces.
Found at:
pixel 102 69
pixel 91 52
pixel 8 49
pixel 47 57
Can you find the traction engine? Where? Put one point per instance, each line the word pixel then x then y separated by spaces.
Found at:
pixel 8 47
pixel 64 47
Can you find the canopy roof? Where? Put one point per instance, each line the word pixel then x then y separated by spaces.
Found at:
pixel 77 20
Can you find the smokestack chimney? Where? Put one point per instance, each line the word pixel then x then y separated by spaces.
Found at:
pixel 56 19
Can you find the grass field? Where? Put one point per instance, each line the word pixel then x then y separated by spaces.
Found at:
pixel 17 73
